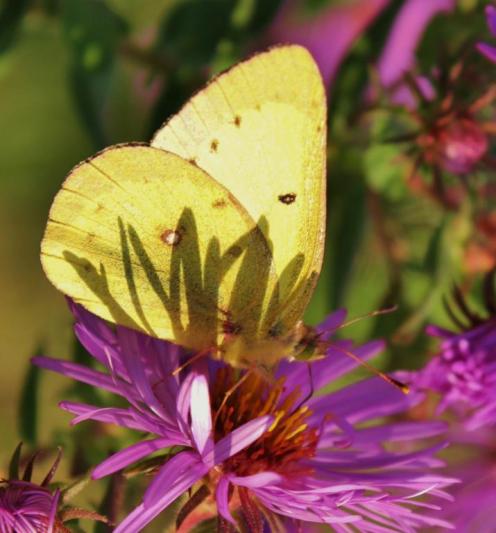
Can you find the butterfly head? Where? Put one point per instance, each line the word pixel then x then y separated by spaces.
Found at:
pixel 300 342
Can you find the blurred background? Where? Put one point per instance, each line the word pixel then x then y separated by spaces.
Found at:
pixel 407 219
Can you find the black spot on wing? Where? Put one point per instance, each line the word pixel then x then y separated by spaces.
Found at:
pixel 287 198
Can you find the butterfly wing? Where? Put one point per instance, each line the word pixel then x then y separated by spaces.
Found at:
pixel 260 130
pixel 144 239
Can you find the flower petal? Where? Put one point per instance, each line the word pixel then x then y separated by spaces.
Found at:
pixel 487 50
pixel 103 352
pixel 238 439
pixel 256 480
pixel 222 499
pixel 130 455
pixel 80 373
pixel 364 400
pixel 201 416
pixel 491 18
pixel 53 510
pixel 175 473
pixel 131 356
pixel 398 55
pixel 175 478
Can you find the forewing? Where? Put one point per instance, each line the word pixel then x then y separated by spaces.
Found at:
pixel 260 130
pixel 144 239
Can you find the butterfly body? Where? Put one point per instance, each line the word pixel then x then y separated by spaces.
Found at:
pixel 212 236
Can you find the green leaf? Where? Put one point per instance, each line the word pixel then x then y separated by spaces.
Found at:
pixel 28 405
pixel 193 29
pixel 89 92
pixel 386 169
pixel 11 16
pixel 93 31
pixel 435 255
pixel 263 14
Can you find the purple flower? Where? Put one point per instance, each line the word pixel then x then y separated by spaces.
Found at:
pixel 270 450
pixel 464 373
pixel 26 507
pixel 486 49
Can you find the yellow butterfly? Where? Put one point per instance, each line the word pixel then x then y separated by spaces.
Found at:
pixel 212 236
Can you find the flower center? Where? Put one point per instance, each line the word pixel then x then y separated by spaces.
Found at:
pixel 284 444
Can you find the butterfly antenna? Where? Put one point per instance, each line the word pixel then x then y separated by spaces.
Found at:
pixel 311 391
pixel 378 312
pixel 192 359
pixel 398 384
pixel 229 393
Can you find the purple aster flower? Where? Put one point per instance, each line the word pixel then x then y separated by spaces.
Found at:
pixel 463 372
pixel 486 49
pixel 269 451
pixel 27 507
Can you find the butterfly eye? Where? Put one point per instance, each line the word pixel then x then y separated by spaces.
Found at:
pixel 171 237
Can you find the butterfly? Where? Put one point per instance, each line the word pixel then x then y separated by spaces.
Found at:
pixel 212 235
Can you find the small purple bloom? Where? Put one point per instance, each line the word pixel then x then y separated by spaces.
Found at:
pixel 486 49
pixel 464 373
pixel 269 450
pixel 26 507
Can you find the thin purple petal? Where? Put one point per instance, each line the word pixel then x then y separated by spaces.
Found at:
pixel 129 455
pixel 222 499
pixel 168 490
pixel 201 416
pixel 167 477
pixel 488 51
pixel 238 439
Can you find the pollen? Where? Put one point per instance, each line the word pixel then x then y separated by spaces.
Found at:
pixel 287 441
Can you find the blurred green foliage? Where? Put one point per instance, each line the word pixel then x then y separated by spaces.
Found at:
pixel 79 75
